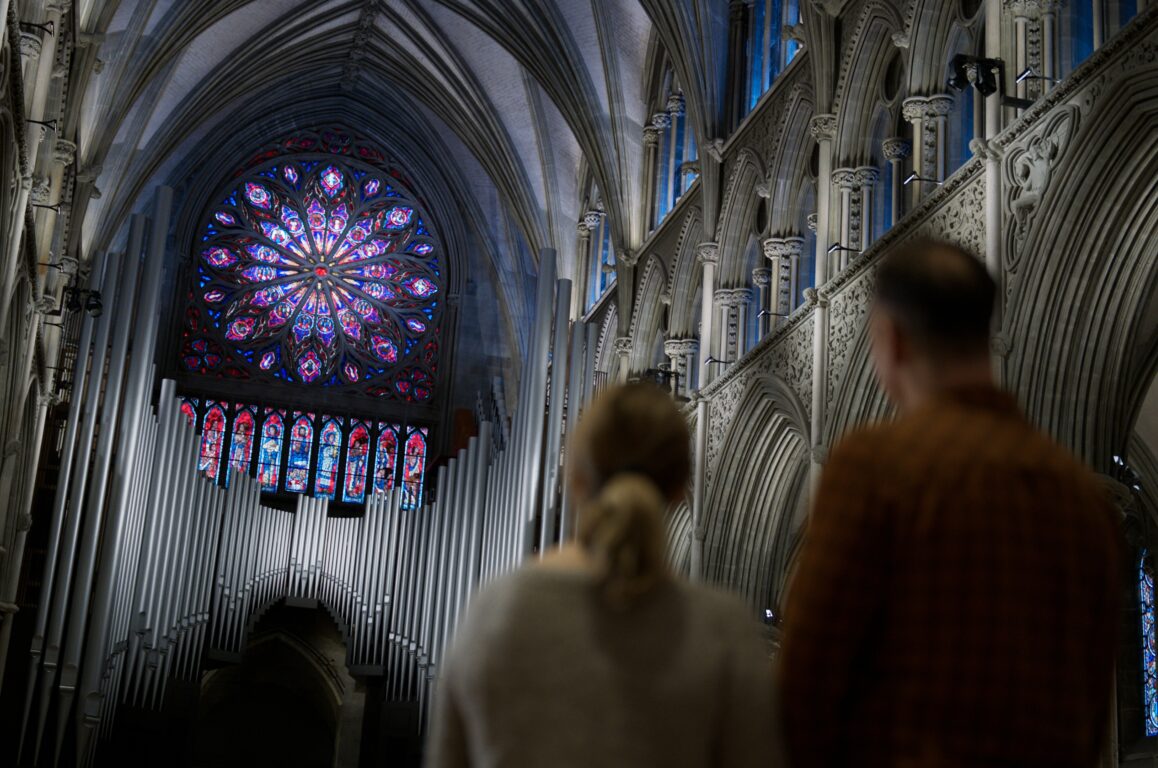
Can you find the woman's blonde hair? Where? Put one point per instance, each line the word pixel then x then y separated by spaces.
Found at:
pixel 630 460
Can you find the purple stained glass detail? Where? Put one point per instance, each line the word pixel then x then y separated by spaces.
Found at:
pixel 269 453
pixel 212 441
pixel 1149 622
pixel 241 443
pixel 357 455
pixel 386 458
pixel 312 271
pixel 414 469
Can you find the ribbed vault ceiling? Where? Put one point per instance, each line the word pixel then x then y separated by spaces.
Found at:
pixel 498 107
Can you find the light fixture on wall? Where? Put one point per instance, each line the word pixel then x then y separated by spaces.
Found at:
pixel 715 361
pixel 837 248
pixel 48 28
pixel 914 176
pixel 49 124
pixel 986 75
pixel 1029 73
pixel 770 313
pixel 54 208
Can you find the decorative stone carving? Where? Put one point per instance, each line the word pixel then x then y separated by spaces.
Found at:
pixel 45 305
pixel 675 103
pixel 622 346
pixel 708 253
pixel 896 149
pixel 847 314
pixel 823 127
pixel 30 45
pixel 627 257
pixel 811 219
pixel 661 121
pixel 1031 9
pixel 733 297
pixel 41 192
pixel 927 110
pixel 866 176
pixel 761 277
pixel 901 40
pixel 1029 169
pixel 721 413
pixel 714 149
pixel 64 152
pixel 845 178
pixel 784 247
pixel 681 347
pixel 650 136
pixel 592 219
pixel 48 400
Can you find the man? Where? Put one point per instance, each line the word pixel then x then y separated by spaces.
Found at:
pixel 956 594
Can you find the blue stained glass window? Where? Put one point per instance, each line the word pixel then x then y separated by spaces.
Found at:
pixel 329 454
pixel 385 458
pixel 301 443
pixel 357 455
pixel 212 440
pixel 241 442
pixel 1149 643
pixel 269 455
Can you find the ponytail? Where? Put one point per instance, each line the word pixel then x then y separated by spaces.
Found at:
pixel 622 530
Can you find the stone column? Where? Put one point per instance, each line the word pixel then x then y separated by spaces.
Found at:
pixel 30 48
pixel 866 180
pixel 762 278
pixel 651 170
pixel 741 302
pixel 661 123
pixel 823 128
pixel 896 151
pixel 623 352
pixel 682 353
pixel 708 254
pixel 580 288
pixel 845 181
pixel 675 110
pixel 784 255
pixel 1021 22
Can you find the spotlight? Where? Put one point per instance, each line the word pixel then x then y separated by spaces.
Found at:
pixel 770 313
pixel 835 247
pixel 714 361
pixel 93 304
pixel 959 79
pixel 917 177
pixel 72 300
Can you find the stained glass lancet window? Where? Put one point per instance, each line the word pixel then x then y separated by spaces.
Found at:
pixel 241 443
pixel 413 468
pixel 269 453
pixel 212 440
pixel 357 455
pixel 1149 643
pixel 301 443
pixel 317 265
pixel 386 458
pixel 189 410
pixel 329 454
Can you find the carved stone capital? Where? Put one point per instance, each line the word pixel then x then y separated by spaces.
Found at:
pixel 985 149
pixel 823 127
pixel 1031 9
pixel 813 297
pixel 59 6
pixel 48 400
pixel 665 298
pixel 896 149
pixel 582 229
pixel 926 107
pixel 592 219
pixel 782 247
pixel 45 304
pixel 845 178
pixel 41 191
pixel 64 152
pixel 764 190
pixel 733 297
pixel 623 346
pixel 650 136
pixel 708 253
pixel 627 258
pixel 675 104
pixel 900 40
pixel 811 219
pixel 30 45
pixel 867 176
pixel 661 121
pixel 761 277
pixel 681 347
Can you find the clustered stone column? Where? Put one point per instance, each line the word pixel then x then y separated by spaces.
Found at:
pixel 784 253
pixel 896 151
pixel 1035 34
pixel 823 128
pixel 708 255
pixel 929 117
pixel 682 353
pixel 856 187
pixel 733 305
pixel 762 278
pixel 623 352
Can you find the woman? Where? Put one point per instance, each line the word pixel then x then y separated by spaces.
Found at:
pixel 597 656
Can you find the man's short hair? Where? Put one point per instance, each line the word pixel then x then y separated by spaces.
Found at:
pixel 939 295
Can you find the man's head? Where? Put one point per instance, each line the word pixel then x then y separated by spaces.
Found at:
pixel 932 312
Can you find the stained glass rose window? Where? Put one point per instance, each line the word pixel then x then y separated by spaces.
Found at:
pixel 318 268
